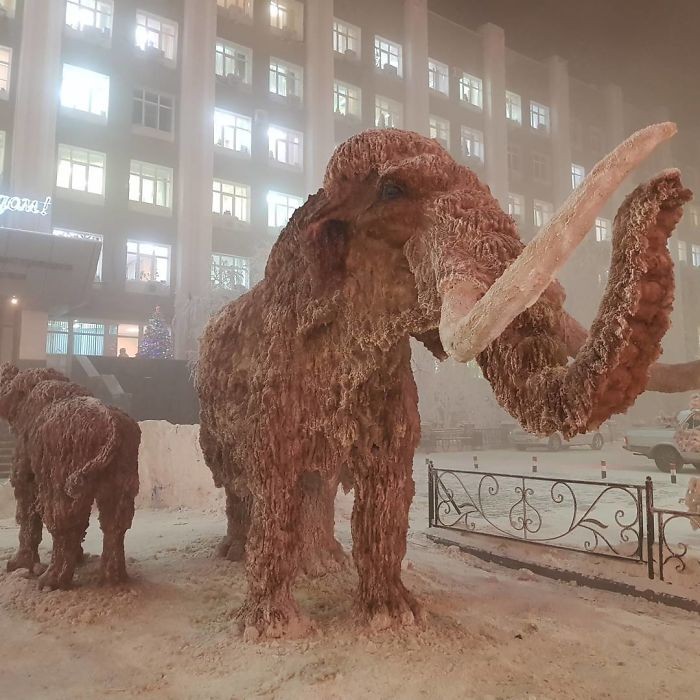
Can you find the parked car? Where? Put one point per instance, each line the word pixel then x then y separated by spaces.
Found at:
pixel 521 440
pixel 661 444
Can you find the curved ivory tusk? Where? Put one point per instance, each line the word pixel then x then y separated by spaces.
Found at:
pixel 521 285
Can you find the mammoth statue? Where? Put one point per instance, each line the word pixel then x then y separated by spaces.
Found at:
pixel 306 381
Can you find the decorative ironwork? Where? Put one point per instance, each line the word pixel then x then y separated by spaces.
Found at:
pixel 668 552
pixel 590 516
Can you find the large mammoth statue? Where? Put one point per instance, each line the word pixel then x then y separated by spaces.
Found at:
pixel 306 380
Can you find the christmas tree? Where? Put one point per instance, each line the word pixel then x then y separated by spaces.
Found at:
pixel 157 340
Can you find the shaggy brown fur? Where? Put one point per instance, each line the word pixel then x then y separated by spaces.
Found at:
pixel 71 450
pixel 308 376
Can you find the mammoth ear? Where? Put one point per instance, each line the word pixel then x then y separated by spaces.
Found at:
pixel 324 235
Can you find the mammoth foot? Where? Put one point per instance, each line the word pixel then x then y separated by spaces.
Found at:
pixel 264 620
pixel 231 549
pixel 24 560
pixel 113 573
pixel 56 578
pixel 396 607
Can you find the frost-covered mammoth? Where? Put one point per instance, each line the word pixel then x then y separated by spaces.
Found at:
pixel 306 379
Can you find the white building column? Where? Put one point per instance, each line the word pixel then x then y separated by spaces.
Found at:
pixel 495 125
pixel 415 57
pixel 319 138
pixel 36 75
pixel 195 166
pixel 560 128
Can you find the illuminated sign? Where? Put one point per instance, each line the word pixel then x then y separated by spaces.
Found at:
pixel 24 205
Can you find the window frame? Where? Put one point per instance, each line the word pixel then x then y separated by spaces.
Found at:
pixel 471 88
pixel 391 49
pixel 158 49
pixel 546 209
pixel 349 100
pixel 244 151
pixel 386 109
pixel 513 107
pixel 229 52
pixel 143 128
pixel 151 172
pixel 217 263
pixel 434 125
pixel 289 70
pixel 93 91
pixel 292 146
pixel 240 196
pixel 442 86
pixel 344 33
pixel 71 151
pixel 602 229
pixel 540 117
pixel 272 221
pixel 6 67
pixel 98 30
pixel 138 280
pixel 479 151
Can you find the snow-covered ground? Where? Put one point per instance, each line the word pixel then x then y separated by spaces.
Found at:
pixel 490 632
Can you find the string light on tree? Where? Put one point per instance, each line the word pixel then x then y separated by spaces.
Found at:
pixel 157 340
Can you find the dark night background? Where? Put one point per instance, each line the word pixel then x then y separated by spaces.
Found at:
pixel 651 48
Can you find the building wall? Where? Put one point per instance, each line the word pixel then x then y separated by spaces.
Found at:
pixel 584 121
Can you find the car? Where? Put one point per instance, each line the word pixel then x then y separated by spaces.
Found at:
pixel 521 440
pixel 662 445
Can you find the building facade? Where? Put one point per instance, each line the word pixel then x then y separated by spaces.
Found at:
pixel 181 134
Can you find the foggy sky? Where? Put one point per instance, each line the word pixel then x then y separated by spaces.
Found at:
pixel 651 48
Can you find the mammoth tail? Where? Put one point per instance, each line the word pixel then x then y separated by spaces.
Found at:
pixel 120 427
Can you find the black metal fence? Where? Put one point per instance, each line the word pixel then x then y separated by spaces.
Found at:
pixel 610 519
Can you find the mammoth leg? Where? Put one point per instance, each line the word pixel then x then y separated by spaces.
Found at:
pixel 67 525
pixel 116 515
pixel 30 525
pixel 272 555
pixel 232 546
pixel 320 552
pixel 384 489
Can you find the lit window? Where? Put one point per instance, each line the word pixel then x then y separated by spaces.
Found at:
pixel 387 56
pixel 286 146
pixel 3 137
pixel 515 163
pixel 7 8
pixel 539 116
pixel 603 229
pixel 234 62
pixel 540 167
pixel 438 77
pixel 472 144
pixel 82 235
pixel 516 206
pixel 241 10
pixel 147 262
pixel 90 16
pixel 578 172
pixel 542 212
pixel 150 184
pixel 280 208
pixel 88 338
pixel 387 113
pixel 440 130
pixel 682 252
pixel 471 90
pixel 229 272
pixel 287 16
pixel 85 91
pixel 285 79
pixel 695 255
pixel 153 111
pixel 346 39
pixel 81 170
pixel 232 131
pixel 57 337
pixel 514 107
pixel 231 199
pixel 5 70
pixel 156 34
pixel 347 100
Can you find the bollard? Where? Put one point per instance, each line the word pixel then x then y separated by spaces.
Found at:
pixel 603 469
pixel 476 462
pixel 673 474
pixel 534 464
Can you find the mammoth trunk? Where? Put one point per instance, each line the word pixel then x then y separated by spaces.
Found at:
pixel 527 364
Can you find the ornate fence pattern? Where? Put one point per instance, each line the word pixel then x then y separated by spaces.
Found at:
pixel 669 553
pixel 597 517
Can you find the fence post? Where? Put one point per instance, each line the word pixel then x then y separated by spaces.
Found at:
pixel 431 493
pixel 534 464
pixel 603 469
pixel 649 510
pixel 673 474
pixel 476 462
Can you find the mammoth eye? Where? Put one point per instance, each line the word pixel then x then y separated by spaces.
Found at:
pixel 391 191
